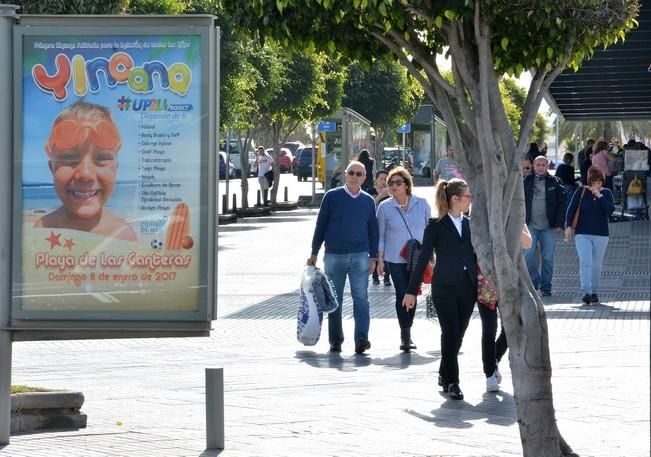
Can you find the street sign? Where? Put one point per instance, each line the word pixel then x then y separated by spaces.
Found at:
pixel 405 128
pixel 327 126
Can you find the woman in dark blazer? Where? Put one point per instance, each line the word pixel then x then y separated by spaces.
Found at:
pixel 454 281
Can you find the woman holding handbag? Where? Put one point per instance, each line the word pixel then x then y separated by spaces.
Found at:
pixel 587 216
pixel 454 281
pixel 401 218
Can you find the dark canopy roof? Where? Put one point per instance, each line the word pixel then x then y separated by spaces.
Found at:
pixel 614 85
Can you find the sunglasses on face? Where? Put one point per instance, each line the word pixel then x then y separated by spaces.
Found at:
pixel 526 168
pixel 396 182
pixel 359 174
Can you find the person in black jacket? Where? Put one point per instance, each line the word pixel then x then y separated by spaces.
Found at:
pixel 544 200
pixel 565 171
pixel 454 281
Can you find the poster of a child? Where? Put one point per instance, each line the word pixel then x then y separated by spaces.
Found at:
pixel 83 148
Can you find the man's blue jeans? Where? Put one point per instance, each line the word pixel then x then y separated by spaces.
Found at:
pixel 355 266
pixel 541 278
pixel 591 250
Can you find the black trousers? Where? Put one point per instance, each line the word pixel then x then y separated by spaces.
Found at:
pixel 492 350
pixel 454 305
pixel 400 278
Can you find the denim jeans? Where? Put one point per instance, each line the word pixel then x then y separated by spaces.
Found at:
pixel 400 278
pixel 492 350
pixel 591 250
pixel 541 279
pixel 355 266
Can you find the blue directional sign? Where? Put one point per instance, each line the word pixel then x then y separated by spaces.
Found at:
pixel 327 126
pixel 405 128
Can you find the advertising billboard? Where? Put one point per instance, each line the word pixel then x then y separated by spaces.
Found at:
pixel 112 160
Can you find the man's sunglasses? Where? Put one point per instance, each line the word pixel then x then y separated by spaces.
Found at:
pixel 359 174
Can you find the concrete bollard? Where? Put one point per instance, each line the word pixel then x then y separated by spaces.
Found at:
pixel 234 203
pixel 258 199
pixel 286 194
pixel 214 408
pixel 224 204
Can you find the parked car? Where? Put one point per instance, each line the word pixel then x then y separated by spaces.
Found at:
pixel 293 146
pixel 235 158
pixel 303 167
pixel 285 159
pixel 222 166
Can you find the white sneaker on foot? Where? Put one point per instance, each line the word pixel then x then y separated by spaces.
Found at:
pixel 498 375
pixel 492 384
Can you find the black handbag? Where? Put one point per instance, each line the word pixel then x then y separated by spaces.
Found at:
pixel 413 247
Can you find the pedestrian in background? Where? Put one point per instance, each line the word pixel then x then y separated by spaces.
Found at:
pixel 544 200
pixel 601 158
pixel 348 226
pixel 264 163
pixel 454 281
pixel 594 204
pixel 447 168
pixel 380 192
pixel 565 171
pixel 369 165
pixel 401 218
pixel 492 350
pixel 527 167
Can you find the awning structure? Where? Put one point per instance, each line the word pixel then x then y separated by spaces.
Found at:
pixel 614 85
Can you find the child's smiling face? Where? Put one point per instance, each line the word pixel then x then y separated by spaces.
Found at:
pixel 84 178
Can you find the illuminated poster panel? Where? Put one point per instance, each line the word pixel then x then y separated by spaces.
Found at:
pixel 111 170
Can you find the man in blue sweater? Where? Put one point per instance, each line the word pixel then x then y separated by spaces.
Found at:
pixel 347 224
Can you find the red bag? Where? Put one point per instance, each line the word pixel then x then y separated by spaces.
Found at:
pixel 486 295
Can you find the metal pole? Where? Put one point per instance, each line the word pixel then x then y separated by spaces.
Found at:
pixel 228 161
pixel 314 164
pixel 404 152
pixel 214 408
pixel 7 19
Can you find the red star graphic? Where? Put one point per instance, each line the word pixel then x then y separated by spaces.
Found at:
pixel 54 240
pixel 69 244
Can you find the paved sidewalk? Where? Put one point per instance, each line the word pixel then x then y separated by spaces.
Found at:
pixel 146 397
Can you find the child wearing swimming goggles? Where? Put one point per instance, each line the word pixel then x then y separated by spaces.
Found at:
pixel 82 150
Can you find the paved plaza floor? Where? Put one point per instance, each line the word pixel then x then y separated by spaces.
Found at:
pixel 145 397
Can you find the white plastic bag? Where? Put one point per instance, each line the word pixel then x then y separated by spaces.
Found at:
pixel 308 330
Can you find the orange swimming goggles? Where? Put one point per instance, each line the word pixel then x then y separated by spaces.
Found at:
pixel 72 132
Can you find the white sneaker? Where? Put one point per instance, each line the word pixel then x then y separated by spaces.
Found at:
pixel 498 375
pixel 492 384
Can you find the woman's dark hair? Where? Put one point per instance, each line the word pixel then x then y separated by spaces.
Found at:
pixel 445 190
pixel 533 150
pixel 595 174
pixel 405 175
pixel 364 156
pixel 380 172
pixel 599 146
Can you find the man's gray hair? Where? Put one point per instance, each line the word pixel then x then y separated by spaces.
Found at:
pixel 355 162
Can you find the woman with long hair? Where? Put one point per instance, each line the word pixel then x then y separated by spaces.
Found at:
pixel 401 218
pixel 454 281
pixel 369 164
pixel 594 204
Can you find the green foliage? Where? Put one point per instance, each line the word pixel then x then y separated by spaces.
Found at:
pixel 21 389
pixel 72 6
pixel 156 7
pixel 514 97
pixel 383 93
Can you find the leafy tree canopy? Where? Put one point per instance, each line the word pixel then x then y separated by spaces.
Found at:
pixel 383 93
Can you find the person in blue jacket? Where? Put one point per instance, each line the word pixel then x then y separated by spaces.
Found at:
pixel 594 204
pixel 348 226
